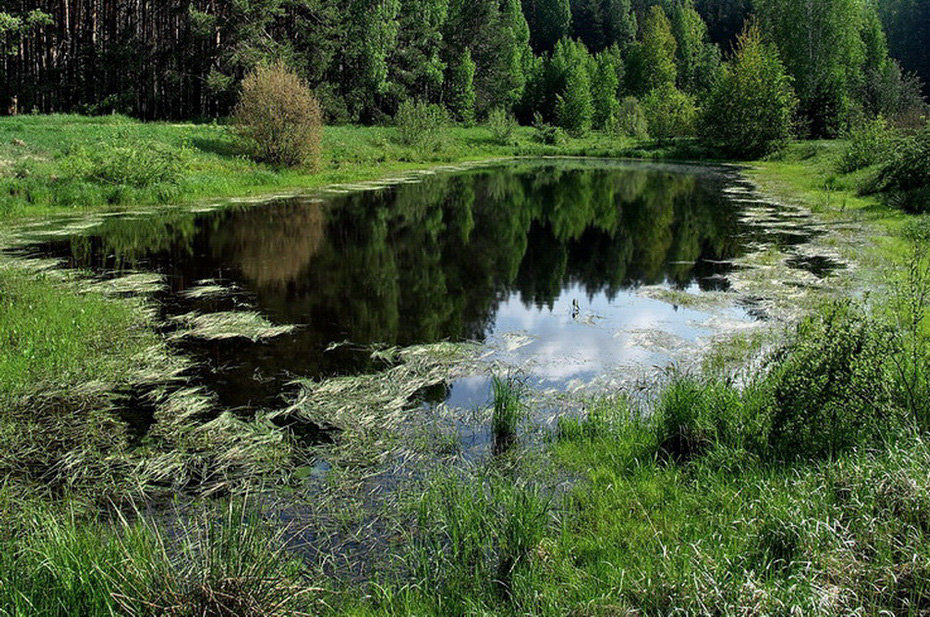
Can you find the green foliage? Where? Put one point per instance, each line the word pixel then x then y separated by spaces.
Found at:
pixel 891 93
pixel 867 144
pixel 905 177
pixel 829 388
pixel 823 49
pixel 694 416
pixel 462 89
pixel 750 109
pixel 605 88
pixel 658 51
pixel 508 410
pixel 14 27
pixel 669 113
pixel 697 59
pixel 226 562
pixel 574 109
pixel 632 119
pixel 421 125
pixel 279 118
pixel 546 133
pixel 503 126
pixel 549 21
pixel 476 539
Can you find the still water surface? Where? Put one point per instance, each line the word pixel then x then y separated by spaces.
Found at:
pixel 550 253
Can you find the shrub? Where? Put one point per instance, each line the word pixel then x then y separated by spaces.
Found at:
pixel 632 119
pixel 669 113
pixel 867 144
pixel 905 178
pixel 421 125
pixel 279 117
pixel 750 108
pixel 547 134
pixel 140 166
pixel 502 126
pixel 828 386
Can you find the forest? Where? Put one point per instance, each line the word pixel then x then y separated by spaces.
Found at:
pixel 576 63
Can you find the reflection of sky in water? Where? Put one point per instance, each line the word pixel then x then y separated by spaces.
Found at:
pixel 552 348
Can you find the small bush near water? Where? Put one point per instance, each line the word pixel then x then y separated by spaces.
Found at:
pixel 867 144
pixel 502 125
pixel 631 120
pixel 421 125
pixel 279 117
pixel 905 177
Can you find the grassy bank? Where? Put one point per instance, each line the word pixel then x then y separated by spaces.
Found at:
pixel 802 491
pixel 61 164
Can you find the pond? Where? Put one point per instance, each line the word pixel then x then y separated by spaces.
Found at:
pixel 568 271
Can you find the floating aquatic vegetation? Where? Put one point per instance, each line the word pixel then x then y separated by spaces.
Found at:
pixel 228 325
pixel 136 284
pixel 206 289
pixel 703 301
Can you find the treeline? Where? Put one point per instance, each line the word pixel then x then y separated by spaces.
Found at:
pixel 575 63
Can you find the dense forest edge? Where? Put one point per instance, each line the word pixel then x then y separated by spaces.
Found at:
pixel 788 476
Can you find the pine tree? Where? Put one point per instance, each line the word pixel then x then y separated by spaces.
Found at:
pixel 416 65
pixel 620 23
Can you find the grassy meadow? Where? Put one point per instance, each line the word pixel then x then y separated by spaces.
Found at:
pixel 65 164
pixel 798 486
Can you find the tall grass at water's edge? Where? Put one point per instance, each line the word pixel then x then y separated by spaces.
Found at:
pixel 219 562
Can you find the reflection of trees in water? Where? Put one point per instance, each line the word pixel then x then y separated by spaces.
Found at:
pixel 431 261
pixel 275 246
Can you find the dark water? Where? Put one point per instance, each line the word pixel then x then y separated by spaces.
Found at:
pixel 554 249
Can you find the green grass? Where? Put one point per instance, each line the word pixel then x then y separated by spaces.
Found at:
pixel 57 337
pixel 64 163
pixel 217 561
pixel 507 411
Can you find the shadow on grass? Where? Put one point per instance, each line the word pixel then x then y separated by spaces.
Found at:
pixel 220 147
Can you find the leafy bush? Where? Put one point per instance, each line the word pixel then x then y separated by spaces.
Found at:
pixel 421 125
pixel 750 108
pixel 669 113
pixel 139 166
pixel 279 117
pixel 547 134
pixel 828 386
pixel 632 119
pixel 867 144
pixel 502 126
pixel 905 178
